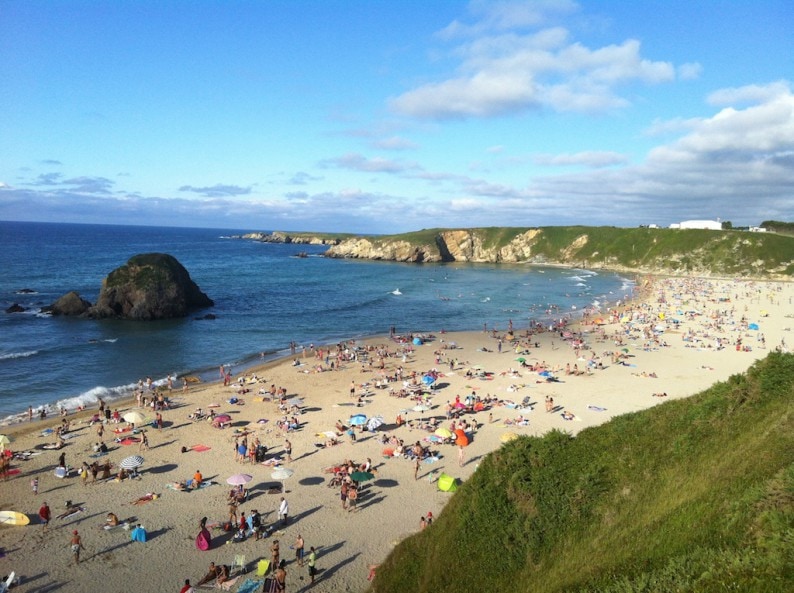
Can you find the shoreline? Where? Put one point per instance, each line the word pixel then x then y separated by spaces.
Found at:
pixel 394 500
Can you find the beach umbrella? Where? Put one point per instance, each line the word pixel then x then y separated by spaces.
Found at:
pixel 4 440
pixel 447 483
pixel 239 479
pixel 295 401
pixel 420 408
pixel 444 433
pixel 460 438
pixel 521 359
pixel 374 422
pixel 361 476
pixel 428 379
pixel 131 462
pixel 358 420
pixel 281 474
pixel 752 326
pixel 134 417
pixel 508 436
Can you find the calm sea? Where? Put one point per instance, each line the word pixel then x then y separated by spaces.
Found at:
pixel 264 297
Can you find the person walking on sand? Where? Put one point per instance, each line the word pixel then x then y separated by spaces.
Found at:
pixel 460 456
pixel 312 564
pixel 288 450
pixel 76 545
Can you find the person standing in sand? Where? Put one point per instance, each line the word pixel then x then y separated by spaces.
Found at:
pixel 45 515
pixel 280 578
pixel 288 450
pixel 299 546
pixel 274 553
pixel 283 511
pixel 76 545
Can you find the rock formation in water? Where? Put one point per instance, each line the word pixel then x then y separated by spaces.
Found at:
pixel 148 287
pixel 70 304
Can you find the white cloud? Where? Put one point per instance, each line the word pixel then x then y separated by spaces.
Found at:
pixel 394 143
pixel 592 158
pixel 357 162
pixel 749 94
pixel 502 71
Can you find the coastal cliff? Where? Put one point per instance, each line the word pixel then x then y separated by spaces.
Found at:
pixel 293 238
pixel 638 250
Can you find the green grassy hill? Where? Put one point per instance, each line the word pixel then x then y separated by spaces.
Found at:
pixel 723 253
pixel 692 495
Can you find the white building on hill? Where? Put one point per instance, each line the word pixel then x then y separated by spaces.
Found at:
pixel 710 225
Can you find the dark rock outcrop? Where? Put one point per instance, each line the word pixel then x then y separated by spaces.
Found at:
pixel 16 308
pixel 149 286
pixel 69 304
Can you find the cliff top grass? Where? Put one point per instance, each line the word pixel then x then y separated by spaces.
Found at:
pixel 693 495
pixel 728 252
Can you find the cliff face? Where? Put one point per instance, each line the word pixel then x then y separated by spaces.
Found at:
pixel 634 250
pixel 299 239
pixel 450 246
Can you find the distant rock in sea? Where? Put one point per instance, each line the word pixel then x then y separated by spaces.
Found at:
pixel 16 308
pixel 149 286
pixel 70 304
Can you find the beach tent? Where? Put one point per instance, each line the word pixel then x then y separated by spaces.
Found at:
pixel 460 438
pixel 752 326
pixel 417 341
pixel 447 483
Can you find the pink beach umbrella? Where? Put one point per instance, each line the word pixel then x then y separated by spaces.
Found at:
pixel 221 419
pixel 239 479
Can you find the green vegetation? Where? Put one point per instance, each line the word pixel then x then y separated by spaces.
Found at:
pixel 726 252
pixel 775 226
pixel 692 495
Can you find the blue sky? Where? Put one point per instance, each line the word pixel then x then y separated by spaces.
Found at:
pixel 384 117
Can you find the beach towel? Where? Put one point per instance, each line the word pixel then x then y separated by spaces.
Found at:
pixel 596 408
pixel 70 511
pixel 122 430
pixel 249 586
pixel 200 448
pixel 227 585
pixel 130 441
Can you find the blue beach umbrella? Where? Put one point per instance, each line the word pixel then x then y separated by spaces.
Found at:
pixel 752 326
pixel 358 420
pixel 428 380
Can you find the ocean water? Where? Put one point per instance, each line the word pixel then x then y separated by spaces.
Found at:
pixel 264 297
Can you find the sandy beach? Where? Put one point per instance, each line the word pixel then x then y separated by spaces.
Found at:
pixel 681 336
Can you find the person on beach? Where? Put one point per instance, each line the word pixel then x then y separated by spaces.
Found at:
pixel 280 578
pixel 275 553
pixel 283 511
pixel 461 456
pixel 299 546
pixel 45 515
pixel 187 588
pixel 197 478
pixel 312 564
pixel 34 485
pixel 76 545
pixel 288 450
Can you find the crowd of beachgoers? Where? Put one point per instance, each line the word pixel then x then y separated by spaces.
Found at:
pixel 306 471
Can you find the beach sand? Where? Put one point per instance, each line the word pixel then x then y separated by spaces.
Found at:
pixel 697 313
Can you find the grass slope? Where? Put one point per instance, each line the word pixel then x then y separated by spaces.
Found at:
pixel 692 495
pixel 670 250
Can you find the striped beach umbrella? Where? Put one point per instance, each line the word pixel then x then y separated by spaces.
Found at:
pixel 131 462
